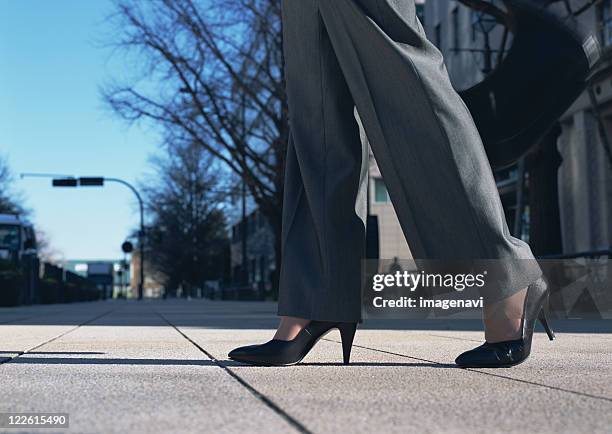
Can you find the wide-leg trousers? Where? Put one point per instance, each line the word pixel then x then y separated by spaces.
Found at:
pixel 374 55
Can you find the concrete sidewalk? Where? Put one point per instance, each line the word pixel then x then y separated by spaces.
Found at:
pixel 160 366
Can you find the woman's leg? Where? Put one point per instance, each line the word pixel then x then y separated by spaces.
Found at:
pixel 325 183
pixel 424 139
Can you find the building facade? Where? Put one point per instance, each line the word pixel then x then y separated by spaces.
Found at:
pixel 391 240
pixel 110 276
pixel 584 176
pixel 152 287
pixel 253 241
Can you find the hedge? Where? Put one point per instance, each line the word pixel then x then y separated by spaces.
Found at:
pixel 11 284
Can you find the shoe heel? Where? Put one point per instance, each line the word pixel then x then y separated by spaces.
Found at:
pixel 347 333
pixel 544 322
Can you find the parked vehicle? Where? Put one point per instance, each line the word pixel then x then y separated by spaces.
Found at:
pixel 18 261
pixel 17 239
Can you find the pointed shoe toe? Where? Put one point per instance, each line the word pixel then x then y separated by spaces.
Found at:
pixel 239 352
pixel 496 355
pixel 472 358
pixel 247 354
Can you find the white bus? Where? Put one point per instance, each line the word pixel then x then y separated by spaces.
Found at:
pixel 17 238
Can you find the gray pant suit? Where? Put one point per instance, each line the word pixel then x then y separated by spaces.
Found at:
pixel 373 55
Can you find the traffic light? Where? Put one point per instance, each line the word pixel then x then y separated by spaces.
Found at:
pixel 65 182
pixel 127 247
pixel 91 181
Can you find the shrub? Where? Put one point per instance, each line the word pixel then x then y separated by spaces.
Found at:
pixel 11 286
pixel 51 291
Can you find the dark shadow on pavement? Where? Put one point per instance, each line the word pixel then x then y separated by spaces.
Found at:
pixel 387 364
pixel 86 361
pixel 53 352
pixel 203 362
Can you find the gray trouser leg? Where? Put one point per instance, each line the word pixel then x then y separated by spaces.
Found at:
pixel 424 139
pixel 323 215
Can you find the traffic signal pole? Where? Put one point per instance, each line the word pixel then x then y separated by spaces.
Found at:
pixel 141 233
pixel 99 182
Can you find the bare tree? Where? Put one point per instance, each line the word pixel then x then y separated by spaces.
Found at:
pixel 10 201
pixel 212 76
pixel 46 251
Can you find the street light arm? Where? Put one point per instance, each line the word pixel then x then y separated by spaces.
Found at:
pixel 43 175
pixel 128 185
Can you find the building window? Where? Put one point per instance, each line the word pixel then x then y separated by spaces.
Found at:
pixel 253 270
pixel 420 11
pixel 438 35
pixel 81 268
pixel 380 191
pixel 251 223
pixel 237 232
pixel 605 22
pixel 262 220
pixel 262 268
pixel 455 31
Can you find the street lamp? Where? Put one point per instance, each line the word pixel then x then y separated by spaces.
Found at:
pixel 90 181
pixel 483 22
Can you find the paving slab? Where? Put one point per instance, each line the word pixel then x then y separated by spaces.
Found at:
pixel 113 378
pixel 124 367
pixel 402 394
pixel 572 362
pixel 29 328
pixel 579 362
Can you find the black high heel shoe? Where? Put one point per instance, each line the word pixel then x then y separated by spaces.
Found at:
pixel 510 353
pixel 285 353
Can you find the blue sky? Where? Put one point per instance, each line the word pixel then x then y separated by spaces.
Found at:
pixel 52 120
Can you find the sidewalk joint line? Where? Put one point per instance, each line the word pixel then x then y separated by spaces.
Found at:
pixel 477 371
pixel 452 337
pixel 260 396
pixel 21 353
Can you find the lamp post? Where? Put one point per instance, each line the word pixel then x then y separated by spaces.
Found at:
pixel 91 181
pixel 485 23
pixel 126 247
